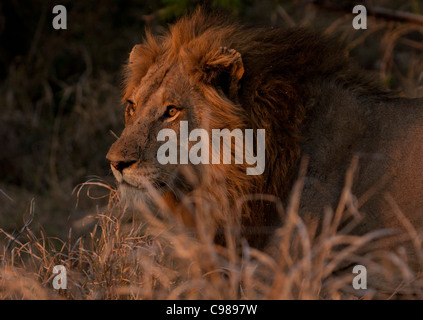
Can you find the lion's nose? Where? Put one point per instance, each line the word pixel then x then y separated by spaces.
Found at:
pixel 120 165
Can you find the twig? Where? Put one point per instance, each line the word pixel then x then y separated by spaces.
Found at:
pixel 113 134
pixel 14 238
pixel 5 194
pixel 396 15
pixel 379 12
pixel 285 16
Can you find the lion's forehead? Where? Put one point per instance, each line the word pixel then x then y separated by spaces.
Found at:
pixel 150 83
pixel 162 83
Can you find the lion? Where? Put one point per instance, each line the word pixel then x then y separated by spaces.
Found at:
pixel 299 86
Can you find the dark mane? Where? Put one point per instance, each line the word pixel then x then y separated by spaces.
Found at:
pixel 282 69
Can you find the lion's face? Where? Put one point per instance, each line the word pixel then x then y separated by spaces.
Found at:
pixel 198 88
pixel 163 99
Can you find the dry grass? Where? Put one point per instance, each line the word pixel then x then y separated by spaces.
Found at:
pixel 156 258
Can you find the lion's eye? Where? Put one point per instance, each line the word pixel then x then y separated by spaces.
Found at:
pixel 130 108
pixel 171 111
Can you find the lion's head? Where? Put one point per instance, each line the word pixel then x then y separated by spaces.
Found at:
pixel 169 80
pixel 215 74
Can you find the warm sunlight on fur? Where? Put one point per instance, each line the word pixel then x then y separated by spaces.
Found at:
pixel 297 85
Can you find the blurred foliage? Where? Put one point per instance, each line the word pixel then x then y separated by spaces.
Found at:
pixel 175 8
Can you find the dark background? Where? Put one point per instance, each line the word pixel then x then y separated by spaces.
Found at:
pixel 60 89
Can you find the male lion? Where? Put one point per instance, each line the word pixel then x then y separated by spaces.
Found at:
pixel 297 85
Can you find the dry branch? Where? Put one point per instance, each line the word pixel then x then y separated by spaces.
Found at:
pixel 376 11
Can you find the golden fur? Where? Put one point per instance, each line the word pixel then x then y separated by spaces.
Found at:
pixel 297 85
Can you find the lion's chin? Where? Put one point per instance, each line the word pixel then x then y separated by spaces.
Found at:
pixel 136 198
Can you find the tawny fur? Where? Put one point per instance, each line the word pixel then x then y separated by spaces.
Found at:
pixel 309 97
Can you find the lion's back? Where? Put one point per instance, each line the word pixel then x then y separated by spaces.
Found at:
pixel 385 137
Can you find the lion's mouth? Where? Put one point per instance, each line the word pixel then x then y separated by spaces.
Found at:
pixel 142 180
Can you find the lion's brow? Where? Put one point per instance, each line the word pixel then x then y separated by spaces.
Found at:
pixel 155 82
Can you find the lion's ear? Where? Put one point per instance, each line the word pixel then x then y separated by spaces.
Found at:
pixel 134 53
pixel 224 69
